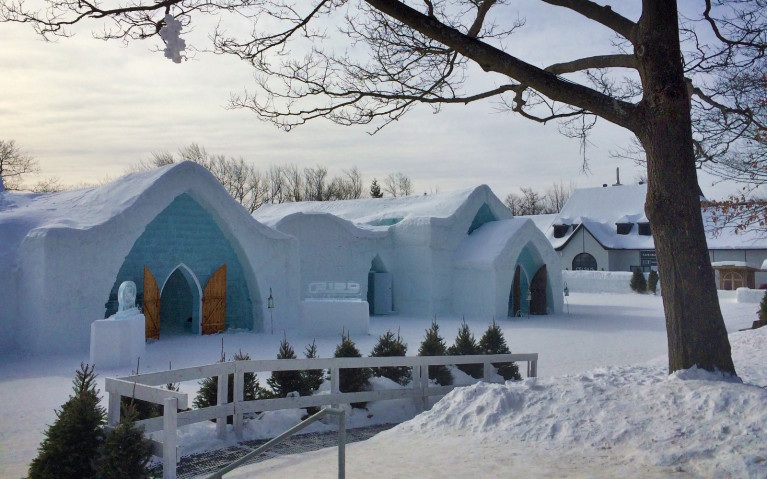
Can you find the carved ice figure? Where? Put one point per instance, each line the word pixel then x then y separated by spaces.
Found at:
pixel 126 300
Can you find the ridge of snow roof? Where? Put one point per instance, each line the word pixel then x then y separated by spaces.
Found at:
pixel 350 227
pixel 376 213
pixel 87 208
pixel 488 241
pixel 606 204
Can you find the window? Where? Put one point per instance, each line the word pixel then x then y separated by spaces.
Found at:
pixel 732 280
pixel 644 229
pixel 560 230
pixel 584 262
pixel 624 228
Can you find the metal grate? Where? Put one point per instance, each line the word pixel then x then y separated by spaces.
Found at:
pixel 208 462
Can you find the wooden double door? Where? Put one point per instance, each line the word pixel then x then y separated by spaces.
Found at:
pixel 213 304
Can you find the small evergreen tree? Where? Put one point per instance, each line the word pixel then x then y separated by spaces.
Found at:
pixel 356 379
pixel 208 394
pixel 465 345
pixel 652 281
pixel 72 441
pixel 284 382
pixel 375 190
pixel 312 378
pixel 434 345
pixel 389 346
pixel 763 308
pixel 638 282
pixel 125 454
pixel 493 342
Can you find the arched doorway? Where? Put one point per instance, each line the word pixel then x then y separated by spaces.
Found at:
pixel 380 289
pixel 584 262
pixel 538 292
pixel 180 302
pixel 519 288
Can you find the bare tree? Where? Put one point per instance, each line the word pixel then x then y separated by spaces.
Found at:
pixel 398 184
pixel 407 54
pixel 14 165
pixel 557 196
pixel 514 203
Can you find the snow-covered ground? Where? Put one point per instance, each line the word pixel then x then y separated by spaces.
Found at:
pixel 603 405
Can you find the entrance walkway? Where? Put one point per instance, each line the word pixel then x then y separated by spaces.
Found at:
pixel 197 465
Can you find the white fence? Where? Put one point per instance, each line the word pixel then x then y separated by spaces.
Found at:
pixel 145 387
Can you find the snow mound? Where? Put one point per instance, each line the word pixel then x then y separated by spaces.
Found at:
pixel 692 419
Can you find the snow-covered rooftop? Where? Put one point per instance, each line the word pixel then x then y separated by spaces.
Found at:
pixel 599 210
pixel 376 213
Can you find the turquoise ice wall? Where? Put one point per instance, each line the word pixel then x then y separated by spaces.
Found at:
pixel 186 233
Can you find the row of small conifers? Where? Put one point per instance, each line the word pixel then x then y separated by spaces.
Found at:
pixel 282 383
pixel 77 446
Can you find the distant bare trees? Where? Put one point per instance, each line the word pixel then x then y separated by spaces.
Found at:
pixel 531 202
pixel 15 164
pixel 277 183
pixel 398 184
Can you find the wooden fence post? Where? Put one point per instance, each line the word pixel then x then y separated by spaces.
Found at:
pixel 222 398
pixel 113 411
pixel 239 396
pixel 169 438
pixel 335 383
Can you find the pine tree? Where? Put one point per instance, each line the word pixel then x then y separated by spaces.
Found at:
pixel 72 441
pixel 125 454
pixel 652 281
pixel 638 282
pixel 434 345
pixel 208 394
pixel 312 378
pixel 353 379
pixel 284 382
pixel 465 345
pixel 493 342
pixel 389 346
pixel 375 190
pixel 763 308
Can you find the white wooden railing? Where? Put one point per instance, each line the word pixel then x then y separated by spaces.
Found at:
pixel 146 387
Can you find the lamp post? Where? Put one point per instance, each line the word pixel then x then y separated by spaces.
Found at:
pixel 567 293
pixel 270 305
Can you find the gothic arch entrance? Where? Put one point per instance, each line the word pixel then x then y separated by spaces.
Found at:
pixel 538 292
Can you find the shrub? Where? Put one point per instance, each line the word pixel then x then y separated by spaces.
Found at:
pixel 356 379
pixel 652 281
pixel 312 378
pixel 493 342
pixel 638 282
pixel 389 346
pixel 208 394
pixel 285 382
pixel 72 441
pixel 434 345
pixel 763 308
pixel 125 454
pixel 465 345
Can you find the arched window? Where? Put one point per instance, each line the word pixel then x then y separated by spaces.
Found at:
pixel 732 280
pixel 584 262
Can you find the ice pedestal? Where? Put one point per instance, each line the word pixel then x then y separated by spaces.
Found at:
pixel 328 316
pixel 117 342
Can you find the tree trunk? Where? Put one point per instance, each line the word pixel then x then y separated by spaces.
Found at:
pixel 695 327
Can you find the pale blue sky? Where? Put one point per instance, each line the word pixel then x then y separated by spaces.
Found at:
pixel 86 109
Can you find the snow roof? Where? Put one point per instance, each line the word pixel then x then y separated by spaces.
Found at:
pixel 378 213
pixel 485 244
pixel 599 210
pixel 542 222
pixel 22 214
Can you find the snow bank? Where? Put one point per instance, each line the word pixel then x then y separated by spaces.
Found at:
pixel 746 295
pixel 597 281
pixel 693 420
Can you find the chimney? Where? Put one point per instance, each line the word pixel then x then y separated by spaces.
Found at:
pixel 617 177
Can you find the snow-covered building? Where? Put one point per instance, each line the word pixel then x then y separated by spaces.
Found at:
pixel 202 264
pixel 606 229
pixel 449 253
pixel 64 255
